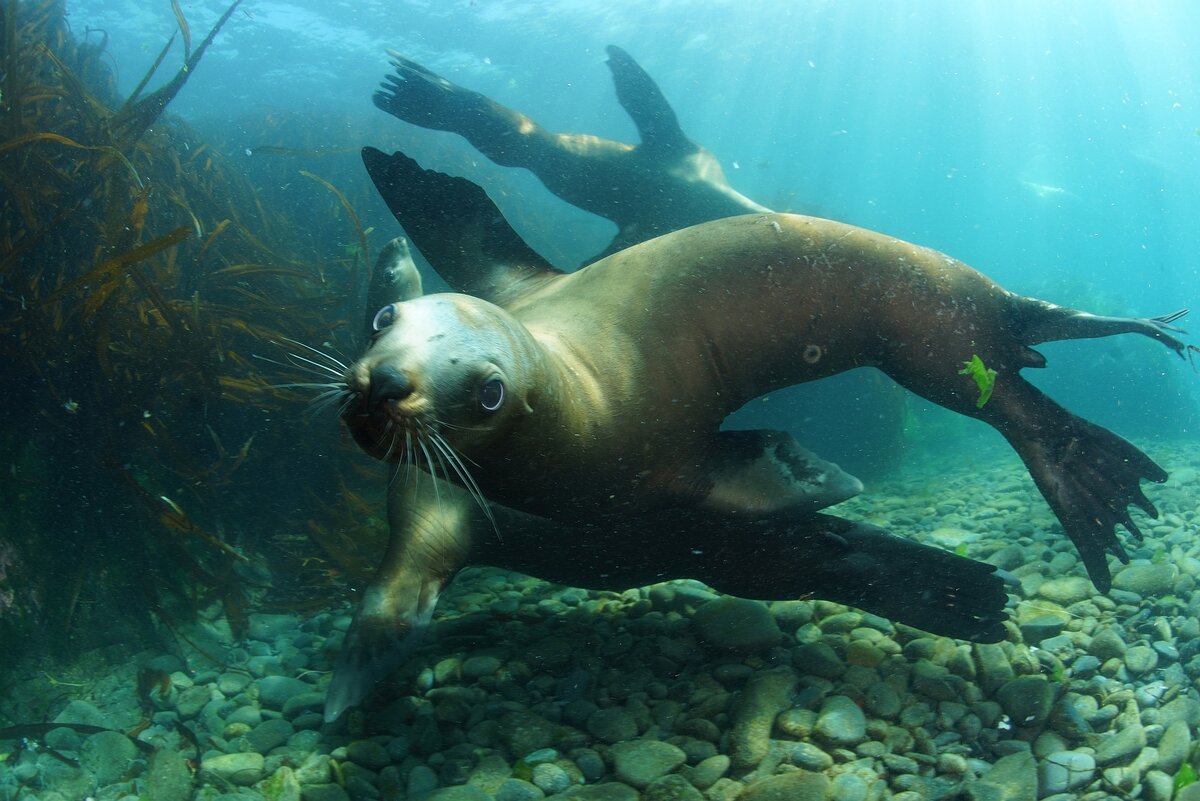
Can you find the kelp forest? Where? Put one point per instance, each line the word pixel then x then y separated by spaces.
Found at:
pixel 154 308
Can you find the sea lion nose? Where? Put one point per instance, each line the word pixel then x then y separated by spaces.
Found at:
pixel 388 384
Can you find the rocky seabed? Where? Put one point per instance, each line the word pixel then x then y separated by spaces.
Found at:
pixel 527 691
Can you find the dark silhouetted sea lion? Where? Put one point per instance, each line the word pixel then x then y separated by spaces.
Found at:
pixel 665 183
pixel 595 399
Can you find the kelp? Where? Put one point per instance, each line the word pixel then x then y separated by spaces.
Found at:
pixel 139 274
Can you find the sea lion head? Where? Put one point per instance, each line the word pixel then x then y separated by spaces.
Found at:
pixel 444 376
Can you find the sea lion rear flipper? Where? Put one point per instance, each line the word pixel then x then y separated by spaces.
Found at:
pixel 1090 477
pixel 862 565
pixel 456 227
pixel 646 105
pixel 759 473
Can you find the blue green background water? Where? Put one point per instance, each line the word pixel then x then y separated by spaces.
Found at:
pixel 1053 145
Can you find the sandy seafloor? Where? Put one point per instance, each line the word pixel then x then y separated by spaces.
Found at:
pixel 527 690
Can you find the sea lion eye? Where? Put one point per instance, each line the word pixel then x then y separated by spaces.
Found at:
pixel 491 395
pixel 385 317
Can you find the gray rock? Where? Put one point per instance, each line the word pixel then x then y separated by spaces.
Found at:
pixel 269 734
pixel 323 792
pixel 609 791
pixel 167 777
pixel 1147 579
pixel 230 684
pixel 639 762
pixel 1122 746
pixel 766 695
pixel 848 787
pixel 1026 700
pixel 809 757
pixel 303 702
pixel 241 769
pixel 1066 771
pixel 1157 786
pixel 517 790
pixel 818 659
pixel 524 732
pixel 1066 590
pixel 841 722
pixel 368 753
pixel 107 756
pixel 1140 659
pixel 671 788
pixel 550 778
pixel 1012 778
pixel 1042 628
pixel 799 785
pixel 705 774
pixel 993 666
pixel 274 691
pixel 736 624
pixel 279 786
pixel 476 667
pixel 882 700
pixel 83 713
pixel 1107 644
pixel 1174 746
pixel 612 725
pixel 189 702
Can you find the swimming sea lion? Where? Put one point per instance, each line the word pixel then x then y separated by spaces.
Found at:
pixel 665 183
pixel 438 528
pixel 595 398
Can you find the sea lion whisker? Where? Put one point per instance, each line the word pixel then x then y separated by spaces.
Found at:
pixel 432 470
pixel 313 366
pixel 332 362
pixel 456 461
pixel 325 401
pixel 292 363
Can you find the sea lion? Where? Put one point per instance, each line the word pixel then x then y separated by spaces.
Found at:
pixel 595 399
pixel 665 183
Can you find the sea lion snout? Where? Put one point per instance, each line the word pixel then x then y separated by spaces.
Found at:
pixel 387 384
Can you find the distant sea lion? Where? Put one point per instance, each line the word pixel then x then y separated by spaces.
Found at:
pixel 595 399
pixel 665 183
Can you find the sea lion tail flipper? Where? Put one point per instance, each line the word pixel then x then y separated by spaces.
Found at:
pixel 420 96
pixel 646 105
pixel 1050 323
pixel 865 566
pixel 760 473
pixel 456 226
pixel 1090 477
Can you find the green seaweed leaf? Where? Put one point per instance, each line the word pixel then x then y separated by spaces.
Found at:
pixel 1184 776
pixel 984 378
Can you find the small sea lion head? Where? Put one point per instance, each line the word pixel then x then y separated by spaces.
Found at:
pixel 444 376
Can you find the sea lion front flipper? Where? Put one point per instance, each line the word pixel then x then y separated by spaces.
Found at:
pixel 646 105
pixel 457 227
pixel 759 473
pixel 430 537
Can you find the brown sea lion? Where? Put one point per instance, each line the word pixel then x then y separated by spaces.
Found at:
pixel 665 183
pixel 595 399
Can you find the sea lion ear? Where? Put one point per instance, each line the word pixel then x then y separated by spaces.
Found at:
pixel 395 279
pixel 396 266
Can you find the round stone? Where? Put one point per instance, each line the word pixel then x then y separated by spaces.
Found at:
pixel 639 762
pixel 736 624
pixel 841 722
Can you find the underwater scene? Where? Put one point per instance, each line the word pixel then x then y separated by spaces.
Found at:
pixel 498 400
